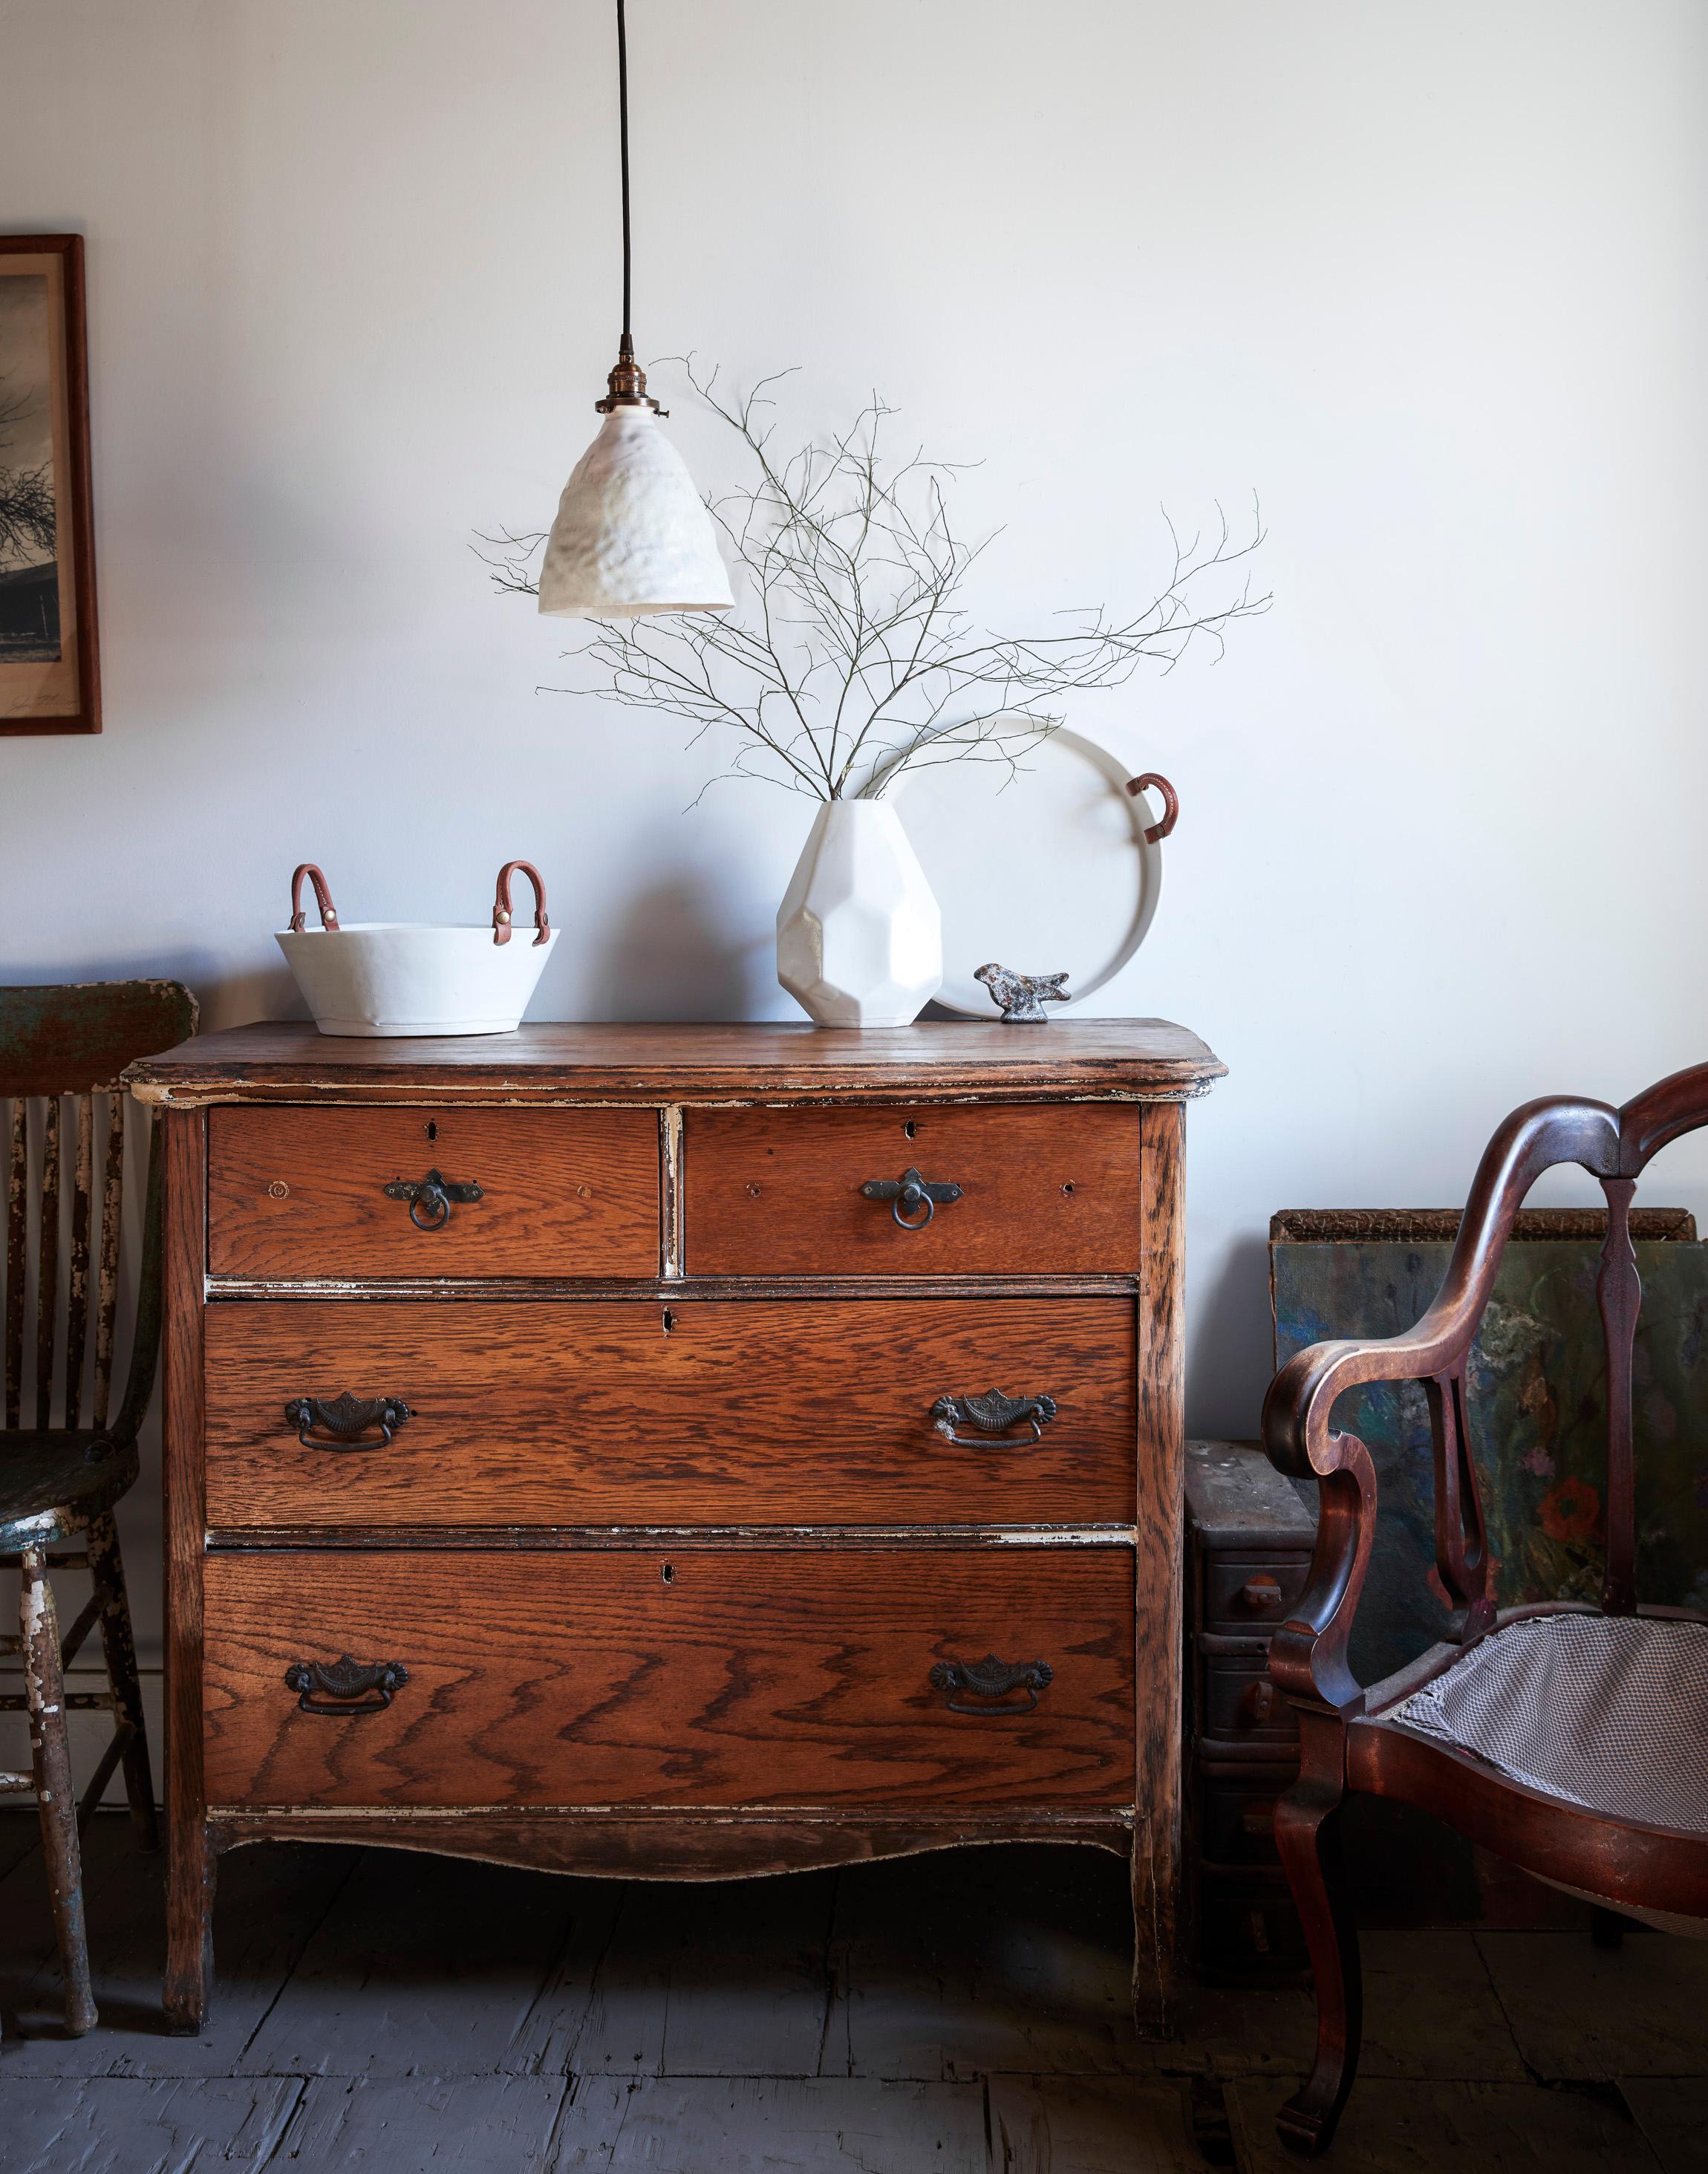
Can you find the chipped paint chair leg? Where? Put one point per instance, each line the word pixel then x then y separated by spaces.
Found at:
pixel 50 1746
pixel 106 1567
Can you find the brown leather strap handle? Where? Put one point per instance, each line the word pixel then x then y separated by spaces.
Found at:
pixel 323 899
pixel 500 904
pixel 1171 804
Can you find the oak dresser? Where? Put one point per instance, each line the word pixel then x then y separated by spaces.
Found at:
pixel 674 1451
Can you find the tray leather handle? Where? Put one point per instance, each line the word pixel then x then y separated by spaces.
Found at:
pixel 1156 832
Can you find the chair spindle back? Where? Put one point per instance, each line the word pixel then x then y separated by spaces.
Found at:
pixel 60 1046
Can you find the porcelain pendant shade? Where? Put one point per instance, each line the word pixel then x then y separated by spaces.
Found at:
pixel 631 537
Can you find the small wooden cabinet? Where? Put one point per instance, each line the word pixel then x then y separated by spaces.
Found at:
pixel 675 1451
pixel 1249 1540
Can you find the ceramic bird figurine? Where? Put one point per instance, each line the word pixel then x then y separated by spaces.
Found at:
pixel 1022 997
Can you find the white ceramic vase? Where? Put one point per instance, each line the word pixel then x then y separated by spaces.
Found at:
pixel 859 935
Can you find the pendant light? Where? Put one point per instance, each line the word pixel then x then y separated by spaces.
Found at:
pixel 631 538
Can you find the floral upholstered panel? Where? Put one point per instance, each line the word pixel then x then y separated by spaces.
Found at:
pixel 1538 1399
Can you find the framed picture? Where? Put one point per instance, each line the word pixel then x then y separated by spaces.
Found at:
pixel 50 674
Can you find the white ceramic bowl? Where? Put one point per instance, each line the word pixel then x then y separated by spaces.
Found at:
pixel 397 977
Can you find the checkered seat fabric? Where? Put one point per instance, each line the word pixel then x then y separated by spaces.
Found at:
pixel 1608 1711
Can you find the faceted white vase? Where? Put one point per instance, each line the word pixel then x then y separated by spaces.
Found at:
pixel 859 936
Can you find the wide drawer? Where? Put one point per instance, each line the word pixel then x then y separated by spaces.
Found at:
pixel 700 1412
pixel 722 1677
pixel 1045 1190
pixel 304 1192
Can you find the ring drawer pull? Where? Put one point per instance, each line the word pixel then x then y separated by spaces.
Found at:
pixel 353 1686
pixel 994 1415
pixel 909 1193
pixel 991 1681
pixel 349 1421
pixel 435 1194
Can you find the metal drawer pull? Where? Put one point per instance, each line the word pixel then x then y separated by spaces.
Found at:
pixel 909 1193
pixel 435 1194
pixel 354 1686
pixel 992 1414
pixel 349 1421
pixel 989 1681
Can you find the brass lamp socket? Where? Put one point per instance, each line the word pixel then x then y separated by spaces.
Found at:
pixel 628 384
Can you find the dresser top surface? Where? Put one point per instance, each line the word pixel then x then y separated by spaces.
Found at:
pixel 280 1059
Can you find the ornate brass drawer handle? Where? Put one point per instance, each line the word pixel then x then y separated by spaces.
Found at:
pixel 354 1686
pixel 994 1415
pixel 909 1193
pixel 991 1681
pixel 433 1193
pixel 349 1421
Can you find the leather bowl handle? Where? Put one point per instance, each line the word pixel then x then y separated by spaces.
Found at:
pixel 501 905
pixel 1157 832
pixel 323 899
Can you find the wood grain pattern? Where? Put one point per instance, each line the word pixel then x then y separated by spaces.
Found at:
pixel 1047 1191
pixel 764 1413
pixel 1159 1619
pixel 668 1063
pixel 190 1864
pixel 783 1677
pixel 563 1192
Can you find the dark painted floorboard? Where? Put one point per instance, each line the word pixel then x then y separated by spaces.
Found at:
pixel 382 2013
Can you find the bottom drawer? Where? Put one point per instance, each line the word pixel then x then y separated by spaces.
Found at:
pixel 693 1677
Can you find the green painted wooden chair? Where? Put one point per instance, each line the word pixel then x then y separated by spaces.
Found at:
pixel 61 1473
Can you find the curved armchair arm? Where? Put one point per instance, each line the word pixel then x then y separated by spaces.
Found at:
pixel 1308 1657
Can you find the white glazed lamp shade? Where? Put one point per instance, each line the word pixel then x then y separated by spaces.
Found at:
pixel 859 933
pixel 631 537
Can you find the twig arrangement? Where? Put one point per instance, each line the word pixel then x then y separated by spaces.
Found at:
pixel 848 659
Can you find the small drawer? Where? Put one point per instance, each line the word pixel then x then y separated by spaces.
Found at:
pixel 1247 1592
pixel 296 1193
pixel 716 1677
pixel 1038 1190
pixel 699 1411
pixel 1240 1702
pixel 1237 1818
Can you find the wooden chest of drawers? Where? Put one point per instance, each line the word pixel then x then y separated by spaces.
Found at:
pixel 676 1451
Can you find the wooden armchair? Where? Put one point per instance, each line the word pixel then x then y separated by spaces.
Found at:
pixel 1571 1740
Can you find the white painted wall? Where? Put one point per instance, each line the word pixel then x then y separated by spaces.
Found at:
pixel 1431 278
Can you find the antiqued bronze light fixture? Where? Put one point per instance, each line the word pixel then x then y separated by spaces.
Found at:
pixel 632 538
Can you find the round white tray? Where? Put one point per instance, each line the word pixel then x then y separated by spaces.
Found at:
pixel 1047 871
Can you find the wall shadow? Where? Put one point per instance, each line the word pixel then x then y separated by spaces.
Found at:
pixel 675 956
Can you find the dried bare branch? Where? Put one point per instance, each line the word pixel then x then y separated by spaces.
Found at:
pixel 848 658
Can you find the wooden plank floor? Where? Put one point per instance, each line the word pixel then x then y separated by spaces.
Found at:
pixel 966 2015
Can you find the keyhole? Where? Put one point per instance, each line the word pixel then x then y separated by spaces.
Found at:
pixel 1069 1187
pixel 668 1573
pixel 432 1129
pixel 910 1128
pixel 669 1320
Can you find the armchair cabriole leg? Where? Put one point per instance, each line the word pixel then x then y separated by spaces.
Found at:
pixel 49 1747
pixel 1307 1834
pixel 107 1568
